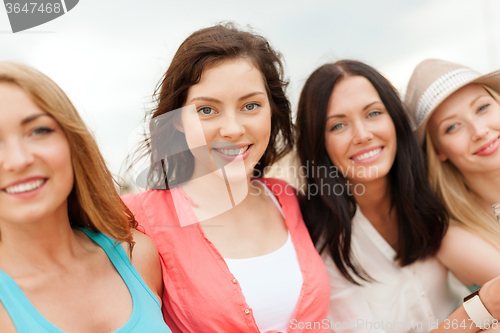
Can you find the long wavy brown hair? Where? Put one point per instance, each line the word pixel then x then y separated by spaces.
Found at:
pixel 93 202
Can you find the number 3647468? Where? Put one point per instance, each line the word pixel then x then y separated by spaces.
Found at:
pixel 33 7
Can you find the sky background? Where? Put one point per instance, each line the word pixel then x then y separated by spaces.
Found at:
pixel 108 55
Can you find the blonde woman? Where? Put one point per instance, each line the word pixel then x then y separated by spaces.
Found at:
pixel 62 267
pixel 456 114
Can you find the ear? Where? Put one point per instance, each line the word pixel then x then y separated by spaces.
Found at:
pixel 440 155
pixel 178 126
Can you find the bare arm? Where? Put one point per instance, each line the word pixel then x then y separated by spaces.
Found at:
pixel 5 322
pixel 469 257
pixel 490 296
pixel 147 262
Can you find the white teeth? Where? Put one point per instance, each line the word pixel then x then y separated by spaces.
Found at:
pixel 232 152
pixel 26 187
pixel 367 155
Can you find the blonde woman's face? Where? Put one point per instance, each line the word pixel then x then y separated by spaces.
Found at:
pixel 36 174
pixel 465 130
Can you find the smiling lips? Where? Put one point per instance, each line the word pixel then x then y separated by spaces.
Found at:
pixel 25 187
pixel 232 152
pixel 232 155
pixel 489 148
pixel 367 155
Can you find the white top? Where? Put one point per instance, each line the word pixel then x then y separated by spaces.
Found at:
pixel 270 283
pixel 405 299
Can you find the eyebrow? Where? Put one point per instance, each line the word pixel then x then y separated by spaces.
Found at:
pixel 343 115
pixel 33 117
pixel 454 115
pixel 475 99
pixel 214 100
pixel 447 118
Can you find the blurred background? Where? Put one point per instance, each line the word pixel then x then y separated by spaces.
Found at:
pixel 109 55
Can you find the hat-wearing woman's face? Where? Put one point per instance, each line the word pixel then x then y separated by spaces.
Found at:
pixel 360 136
pixel 36 174
pixel 235 115
pixel 465 130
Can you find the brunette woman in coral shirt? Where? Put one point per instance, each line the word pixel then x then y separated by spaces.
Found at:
pixel 236 255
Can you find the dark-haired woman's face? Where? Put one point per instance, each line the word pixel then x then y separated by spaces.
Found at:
pixel 232 105
pixel 36 173
pixel 360 136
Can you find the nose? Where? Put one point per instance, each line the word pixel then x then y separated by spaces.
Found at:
pixel 479 132
pixel 15 156
pixel 361 133
pixel 231 126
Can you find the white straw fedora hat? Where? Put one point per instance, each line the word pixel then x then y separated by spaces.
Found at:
pixel 432 81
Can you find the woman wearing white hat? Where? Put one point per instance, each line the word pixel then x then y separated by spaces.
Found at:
pixel 456 115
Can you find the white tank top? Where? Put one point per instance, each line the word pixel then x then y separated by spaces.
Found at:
pixel 270 283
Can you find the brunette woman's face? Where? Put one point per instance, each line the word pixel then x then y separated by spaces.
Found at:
pixel 232 105
pixel 36 174
pixel 465 130
pixel 360 136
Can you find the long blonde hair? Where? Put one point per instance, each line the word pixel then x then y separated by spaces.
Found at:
pixel 93 202
pixel 461 202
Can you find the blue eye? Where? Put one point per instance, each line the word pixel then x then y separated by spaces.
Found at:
pixel 451 128
pixel 251 106
pixel 205 110
pixel 41 131
pixel 374 114
pixel 336 127
pixel 483 108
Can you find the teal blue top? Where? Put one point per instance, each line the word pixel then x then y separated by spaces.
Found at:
pixel 146 313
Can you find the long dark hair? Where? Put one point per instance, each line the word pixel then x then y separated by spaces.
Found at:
pixel 422 219
pixel 202 49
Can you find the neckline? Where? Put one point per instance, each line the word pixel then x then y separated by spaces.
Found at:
pixel 271 195
pixel 224 265
pixel 35 314
pixel 264 256
pixel 374 236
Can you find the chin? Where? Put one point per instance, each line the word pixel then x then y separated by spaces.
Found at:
pixel 234 174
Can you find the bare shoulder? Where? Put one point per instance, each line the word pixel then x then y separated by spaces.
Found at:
pixel 453 241
pixel 5 322
pixel 455 238
pixel 146 260
pixel 144 247
pixel 475 263
pixel 456 233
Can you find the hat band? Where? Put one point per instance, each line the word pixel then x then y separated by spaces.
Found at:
pixel 442 87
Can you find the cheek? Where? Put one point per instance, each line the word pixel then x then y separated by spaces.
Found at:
pixel 63 166
pixel 454 147
pixel 336 147
pixel 393 139
pixel 261 128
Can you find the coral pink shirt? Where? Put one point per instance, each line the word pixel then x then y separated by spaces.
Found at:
pixel 200 293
